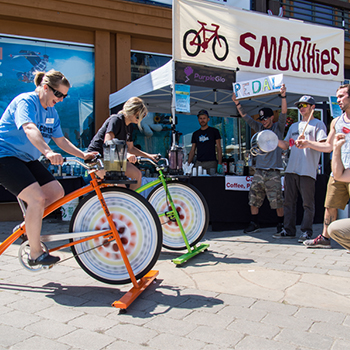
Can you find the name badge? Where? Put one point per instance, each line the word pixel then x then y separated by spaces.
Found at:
pixel 50 120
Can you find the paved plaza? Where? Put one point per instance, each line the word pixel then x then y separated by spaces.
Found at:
pixel 246 292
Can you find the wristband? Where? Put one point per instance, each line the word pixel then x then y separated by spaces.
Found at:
pixel 282 96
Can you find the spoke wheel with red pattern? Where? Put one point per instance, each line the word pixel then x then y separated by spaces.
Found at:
pixel 138 226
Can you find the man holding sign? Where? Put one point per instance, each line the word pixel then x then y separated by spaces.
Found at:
pixel 300 175
pixel 267 177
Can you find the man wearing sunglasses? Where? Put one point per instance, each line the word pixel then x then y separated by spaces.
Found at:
pixel 300 174
pixel 267 177
pixel 338 189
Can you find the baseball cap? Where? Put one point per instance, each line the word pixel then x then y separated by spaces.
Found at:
pixel 203 112
pixel 265 113
pixel 306 99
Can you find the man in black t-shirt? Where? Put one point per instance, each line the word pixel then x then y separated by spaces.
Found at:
pixel 204 140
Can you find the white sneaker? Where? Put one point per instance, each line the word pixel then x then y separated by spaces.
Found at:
pixel 304 236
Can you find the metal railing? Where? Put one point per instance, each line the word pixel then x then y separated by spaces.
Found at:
pixel 333 16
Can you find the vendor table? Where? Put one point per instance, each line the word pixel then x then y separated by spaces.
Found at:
pixel 229 209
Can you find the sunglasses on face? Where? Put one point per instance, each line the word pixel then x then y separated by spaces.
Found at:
pixel 302 105
pixel 264 119
pixel 57 93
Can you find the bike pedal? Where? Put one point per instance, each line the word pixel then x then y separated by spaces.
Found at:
pixel 47 267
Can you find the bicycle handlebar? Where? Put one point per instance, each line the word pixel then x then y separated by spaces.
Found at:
pixel 144 159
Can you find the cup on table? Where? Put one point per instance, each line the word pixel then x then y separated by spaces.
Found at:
pixel 200 171
pixel 212 171
pixel 204 171
pixel 194 172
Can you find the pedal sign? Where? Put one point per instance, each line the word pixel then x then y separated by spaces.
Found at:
pixel 211 34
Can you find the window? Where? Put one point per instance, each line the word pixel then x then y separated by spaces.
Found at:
pixel 20 57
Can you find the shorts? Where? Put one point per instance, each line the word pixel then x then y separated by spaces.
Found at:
pixel 266 183
pixel 16 175
pixel 337 195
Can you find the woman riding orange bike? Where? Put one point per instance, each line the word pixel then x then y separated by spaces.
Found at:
pixel 26 127
pixel 119 126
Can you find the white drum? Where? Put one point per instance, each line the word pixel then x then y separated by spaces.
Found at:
pixel 263 142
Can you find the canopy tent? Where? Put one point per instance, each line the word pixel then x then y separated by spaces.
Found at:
pixel 155 89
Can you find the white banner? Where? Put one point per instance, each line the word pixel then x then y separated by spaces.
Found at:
pixel 216 35
pixel 242 183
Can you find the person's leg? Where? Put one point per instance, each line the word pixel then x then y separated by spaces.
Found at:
pixel 340 231
pixel 330 215
pixel 290 200
pixel 337 197
pixel 135 174
pixel 35 200
pixel 307 191
pixel 274 194
pixel 256 198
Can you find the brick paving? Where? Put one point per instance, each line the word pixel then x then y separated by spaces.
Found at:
pixel 246 292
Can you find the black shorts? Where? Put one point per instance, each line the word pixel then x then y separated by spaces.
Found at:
pixel 16 175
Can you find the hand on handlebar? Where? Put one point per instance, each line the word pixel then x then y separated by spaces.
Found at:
pixel 54 158
pixel 91 155
pixel 131 158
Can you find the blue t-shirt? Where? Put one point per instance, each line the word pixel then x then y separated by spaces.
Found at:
pixel 26 108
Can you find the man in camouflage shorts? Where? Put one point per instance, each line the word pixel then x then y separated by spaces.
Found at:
pixel 267 177
pixel 266 182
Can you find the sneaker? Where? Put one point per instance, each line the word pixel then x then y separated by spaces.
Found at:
pixel 279 228
pixel 318 242
pixel 253 227
pixel 44 259
pixel 283 234
pixel 304 236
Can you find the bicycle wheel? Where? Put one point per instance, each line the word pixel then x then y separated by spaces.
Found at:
pixel 192 209
pixel 192 50
pixel 220 51
pixel 138 226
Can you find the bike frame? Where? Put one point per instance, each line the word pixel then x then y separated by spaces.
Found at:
pixel 206 40
pixel 95 185
pixel 172 214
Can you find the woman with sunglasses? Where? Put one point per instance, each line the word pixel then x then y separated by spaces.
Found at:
pixel 119 126
pixel 26 127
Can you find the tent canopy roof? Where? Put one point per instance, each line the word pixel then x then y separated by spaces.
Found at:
pixel 155 89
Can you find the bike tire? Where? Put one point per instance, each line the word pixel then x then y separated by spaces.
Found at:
pixel 187 40
pixel 138 227
pixel 222 58
pixel 193 211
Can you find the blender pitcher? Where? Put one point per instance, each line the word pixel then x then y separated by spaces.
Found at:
pixel 114 159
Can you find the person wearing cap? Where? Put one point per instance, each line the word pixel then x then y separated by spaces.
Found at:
pixel 204 141
pixel 267 177
pixel 300 174
pixel 338 187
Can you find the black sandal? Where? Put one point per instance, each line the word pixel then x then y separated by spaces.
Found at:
pixel 44 259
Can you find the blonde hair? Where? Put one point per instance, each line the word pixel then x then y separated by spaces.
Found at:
pixel 53 78
pixel 134 106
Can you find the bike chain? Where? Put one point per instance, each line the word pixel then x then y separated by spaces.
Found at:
pixel 73 256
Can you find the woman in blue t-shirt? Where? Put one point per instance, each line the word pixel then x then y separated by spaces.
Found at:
pixel 26 127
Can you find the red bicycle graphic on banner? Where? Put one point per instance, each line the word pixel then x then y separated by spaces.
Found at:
pixel 192 41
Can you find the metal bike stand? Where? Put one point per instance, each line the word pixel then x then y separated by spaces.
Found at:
pixel 191 251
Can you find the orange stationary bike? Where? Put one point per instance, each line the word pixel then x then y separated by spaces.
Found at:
pixel 115 234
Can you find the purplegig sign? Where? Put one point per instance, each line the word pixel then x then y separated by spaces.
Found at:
pixel 198 75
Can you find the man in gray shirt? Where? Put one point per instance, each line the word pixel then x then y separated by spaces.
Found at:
pixel 267 177
pixel 300 175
